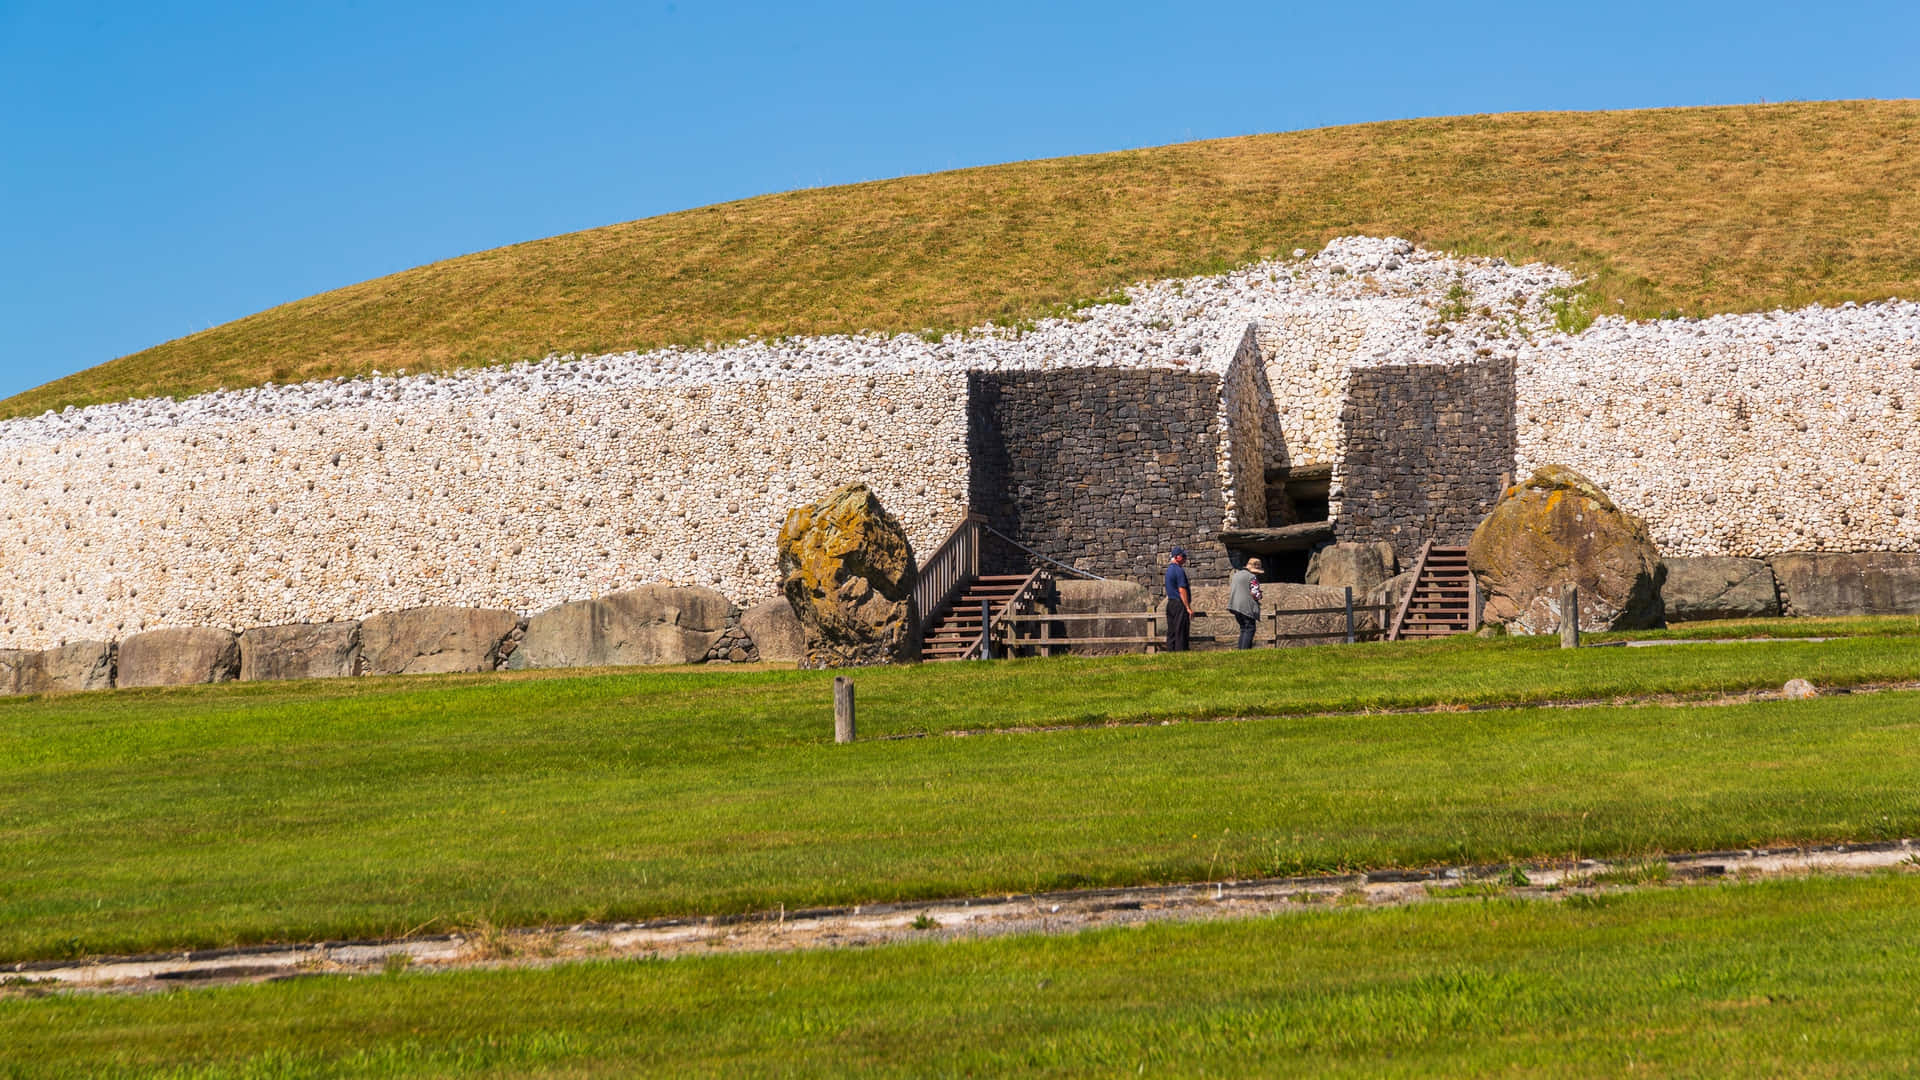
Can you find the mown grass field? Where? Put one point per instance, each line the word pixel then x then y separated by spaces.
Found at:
pixel 215 815
pixel 1794 978
pixel 1692 211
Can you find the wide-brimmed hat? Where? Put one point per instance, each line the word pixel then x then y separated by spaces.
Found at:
pixel 1255 566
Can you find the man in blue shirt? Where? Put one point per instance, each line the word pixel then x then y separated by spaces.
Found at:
pixel 1179 602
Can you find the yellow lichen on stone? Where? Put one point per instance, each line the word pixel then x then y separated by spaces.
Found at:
pixel 848 572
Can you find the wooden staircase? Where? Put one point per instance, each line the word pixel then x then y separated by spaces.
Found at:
pixel 955 633
pixel 1444 598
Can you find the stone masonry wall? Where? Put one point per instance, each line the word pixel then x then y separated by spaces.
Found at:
pixel 1250 423
pixel 1425 446
pixel 512 499
pixel 1103 469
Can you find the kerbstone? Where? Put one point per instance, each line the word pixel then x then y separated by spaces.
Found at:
pixel 1078 596
pixel 1865 583
pixel 300 651
pixel 75 666
pixel 435 640
pixel 179 656
pixel 775 631
pixel 1718 587
pixel 654 624
pixel 1361 566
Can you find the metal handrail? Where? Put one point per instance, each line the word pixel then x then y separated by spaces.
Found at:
pixel 1090 575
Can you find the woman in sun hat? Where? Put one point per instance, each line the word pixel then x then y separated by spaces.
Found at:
pixel 1244 599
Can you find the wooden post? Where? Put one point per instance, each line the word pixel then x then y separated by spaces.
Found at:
pixel 1349 615
pixel 1474 614
pixel 986 629
pixel 842 709
pixel 1569 616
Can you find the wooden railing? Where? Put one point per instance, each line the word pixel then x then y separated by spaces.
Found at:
pixel 946 573
pixel 993 635
pixel 1044 641
pixel 1413 586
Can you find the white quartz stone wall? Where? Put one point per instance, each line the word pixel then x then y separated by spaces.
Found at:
pixel 1740 435
pixel 518 500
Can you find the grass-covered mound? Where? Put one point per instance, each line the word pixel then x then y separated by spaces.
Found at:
pixel 134 820
pixel 1692 211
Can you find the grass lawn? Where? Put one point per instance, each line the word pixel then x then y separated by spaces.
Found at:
pixel 1694 211
pixel 1811 977
pixel 136 820
pixel 1727 629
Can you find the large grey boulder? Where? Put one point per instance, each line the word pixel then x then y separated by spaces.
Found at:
pixel 654 624
pixel 1079 596
pixel 775 631
pixel 1862 583
pixel 75 666
pixel 1559 528
pixel 179 657
pixel 1718 587
pixel 435 640
pixel 1361 566
pixel 300 651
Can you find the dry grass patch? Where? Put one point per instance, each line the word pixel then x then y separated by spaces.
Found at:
pixel 1692 211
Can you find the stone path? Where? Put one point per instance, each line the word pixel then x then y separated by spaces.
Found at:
pixel 970 917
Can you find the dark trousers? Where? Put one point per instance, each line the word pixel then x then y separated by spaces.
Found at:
pixel 1247 626
pixel 1179 626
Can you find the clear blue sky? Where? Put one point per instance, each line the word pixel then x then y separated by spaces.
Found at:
pixel 166 167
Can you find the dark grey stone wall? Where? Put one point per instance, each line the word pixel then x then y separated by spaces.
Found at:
pixel 1099 468
pixel 1425 447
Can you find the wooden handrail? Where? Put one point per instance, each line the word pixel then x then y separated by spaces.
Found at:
pixel 1100 616
pixel 1010 611
pixel 946 573
pixel 1413 585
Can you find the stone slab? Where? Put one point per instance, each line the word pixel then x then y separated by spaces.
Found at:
pixel 435 640
pixel 300 651
pixel 1718 587
pixel 775 631
pixel 73 667
pixel 1083 597
pixel 179 656
pixel 654 624
pixel 1839 584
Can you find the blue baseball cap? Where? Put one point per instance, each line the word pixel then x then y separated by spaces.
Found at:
pixel 1178 551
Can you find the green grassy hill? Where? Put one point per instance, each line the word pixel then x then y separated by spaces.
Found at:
pixel 1694 211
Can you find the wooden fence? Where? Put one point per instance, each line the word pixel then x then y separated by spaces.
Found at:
pixel 1041 634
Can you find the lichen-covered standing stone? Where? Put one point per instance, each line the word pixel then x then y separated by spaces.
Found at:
pixel 848 571
pixel 1559 528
